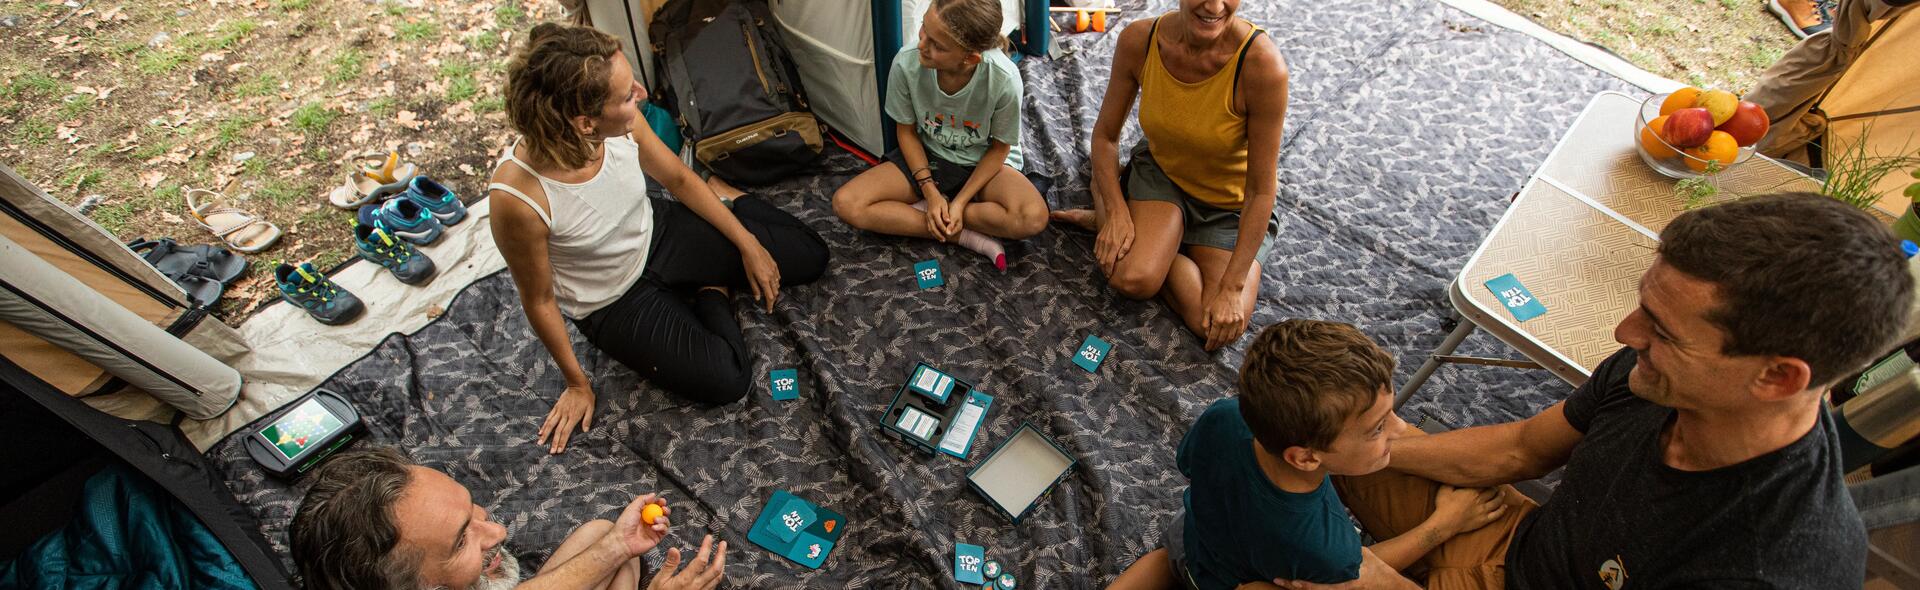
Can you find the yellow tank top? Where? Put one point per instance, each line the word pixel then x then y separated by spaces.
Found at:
pixel 1193 130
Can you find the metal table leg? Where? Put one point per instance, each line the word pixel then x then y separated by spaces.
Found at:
pixel 1454 338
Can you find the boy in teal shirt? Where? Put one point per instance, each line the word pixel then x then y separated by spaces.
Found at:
pixel 1314 402
pixel 955 103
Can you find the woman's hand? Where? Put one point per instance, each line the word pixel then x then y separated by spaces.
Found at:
pixel 936 214
pixel 574 408
pixel 1114 240
pixel 1226 320
pixel 762 273
pixel 703 573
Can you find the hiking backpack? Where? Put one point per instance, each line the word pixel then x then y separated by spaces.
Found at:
pixel 724 74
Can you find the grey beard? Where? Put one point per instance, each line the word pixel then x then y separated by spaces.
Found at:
pixel 509 574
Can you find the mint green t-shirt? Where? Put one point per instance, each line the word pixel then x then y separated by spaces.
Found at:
pixel 959 127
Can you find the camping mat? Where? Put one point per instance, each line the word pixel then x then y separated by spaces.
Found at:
pixel 1409 125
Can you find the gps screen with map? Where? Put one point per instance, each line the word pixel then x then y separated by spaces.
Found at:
pixel 307 425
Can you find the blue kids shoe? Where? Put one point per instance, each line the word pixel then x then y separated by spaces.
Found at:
pixel 437 199
pixel 407 220
pixel 398 256
pixel 325 301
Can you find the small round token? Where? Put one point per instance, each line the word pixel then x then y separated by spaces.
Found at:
pixel 651 513
pixel 991 570
pixel 1004 583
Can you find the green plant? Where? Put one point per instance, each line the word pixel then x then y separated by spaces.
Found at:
pixel 31 85
pixel 394 8
pixel 416 30
pixel 114 217
pixel 75 106
pixel 1762 57
pixel 313 118
pixel 292 5
pixel 346 66
pixel 154 62
pixel 381 107
pixel 460 82
pixel 260 85
pixel 282 193
pixel 82 179
pixel 231 130
pixel 1695 193
pixel 508 14
pixel 486 41
pixel 491 104
pixel 1852 172
pixel 33 132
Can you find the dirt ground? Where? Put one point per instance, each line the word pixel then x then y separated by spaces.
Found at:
pixel 1722 44
pixel 117 107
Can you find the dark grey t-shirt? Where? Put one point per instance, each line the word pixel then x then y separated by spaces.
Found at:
pixel 1780 520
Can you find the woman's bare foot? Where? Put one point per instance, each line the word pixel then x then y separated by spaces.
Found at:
pixel 724 190
pixel 1083 218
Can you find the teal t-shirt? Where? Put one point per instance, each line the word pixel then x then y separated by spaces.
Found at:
pixel 1241 528
pixel 959 127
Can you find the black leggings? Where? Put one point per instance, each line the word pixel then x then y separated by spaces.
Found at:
pixel 694 349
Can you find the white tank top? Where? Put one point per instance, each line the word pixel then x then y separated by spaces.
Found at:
pixel 598 232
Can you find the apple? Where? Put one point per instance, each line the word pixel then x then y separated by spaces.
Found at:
pixel 1720 103
pixel 1688 127
pixel 1748 124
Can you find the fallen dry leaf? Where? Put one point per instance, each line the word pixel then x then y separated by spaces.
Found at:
pixel 152 178
pixel 410 120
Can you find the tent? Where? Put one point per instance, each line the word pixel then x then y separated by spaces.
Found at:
pixel 82 317
pixel 1854 84
pixel 841 47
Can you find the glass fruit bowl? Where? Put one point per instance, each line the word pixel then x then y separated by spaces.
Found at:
pixel 1679 163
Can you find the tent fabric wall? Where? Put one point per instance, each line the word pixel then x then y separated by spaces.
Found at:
pixel 1857 79
pixel 42 300
pixel 832 43
pixel 161 453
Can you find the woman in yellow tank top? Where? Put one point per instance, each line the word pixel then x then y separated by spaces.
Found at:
pixel 1213 97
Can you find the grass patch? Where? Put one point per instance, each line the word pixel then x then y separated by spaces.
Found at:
pixel 509 14
pixel 231 130
pixel 282 193
pixel 154 62
pixel 114 217
pixel 82 179
pixel 491 104
pixel 33 132
pixel 151 150
pixel 312 118
pixel 292 5
pixel 346 66
pixel 417 30
pixel 1762 57
pixel 487 41
pixel 317 218
pixel 1730 4
pixel 230 34
pixel 75 106
pixel 394 9
pixel 381 107
pixel 32 85
pixel 261 85
pixel 460 82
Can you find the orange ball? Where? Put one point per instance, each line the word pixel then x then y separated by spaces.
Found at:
pixel 1081 21
pixel 651 513
pixel 1720 146
pixel 1655 143
pixel 1680 99
pixel 1100 21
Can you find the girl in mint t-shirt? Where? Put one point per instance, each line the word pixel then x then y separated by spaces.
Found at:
pixel 955 103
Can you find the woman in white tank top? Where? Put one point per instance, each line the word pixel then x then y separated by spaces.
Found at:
pixel 584 242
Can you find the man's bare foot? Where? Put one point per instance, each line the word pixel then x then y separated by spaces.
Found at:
pixel 1084 218
pixel 724 190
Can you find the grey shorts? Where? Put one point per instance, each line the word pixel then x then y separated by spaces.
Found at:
pixel 1177 550
pixel 1205 225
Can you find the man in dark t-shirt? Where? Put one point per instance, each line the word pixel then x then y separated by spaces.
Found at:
pixel 1702 455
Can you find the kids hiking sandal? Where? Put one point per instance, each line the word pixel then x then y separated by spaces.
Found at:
pixel 399 257
pixel 304 286
pixel 405 219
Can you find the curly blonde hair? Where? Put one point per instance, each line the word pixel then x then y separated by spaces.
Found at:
pixel 562 72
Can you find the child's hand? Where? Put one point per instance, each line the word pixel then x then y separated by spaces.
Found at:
pixel 1459 510
pixel 936 215
pixel 955 210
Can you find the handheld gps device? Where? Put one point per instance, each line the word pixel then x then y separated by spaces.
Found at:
pixel 295 440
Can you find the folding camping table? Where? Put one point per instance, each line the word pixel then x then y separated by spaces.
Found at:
pixel 1578 236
